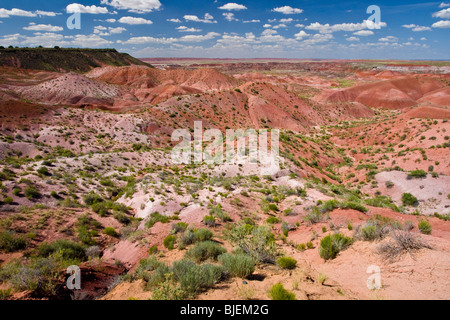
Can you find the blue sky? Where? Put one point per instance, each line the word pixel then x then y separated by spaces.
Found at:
pixel 234 29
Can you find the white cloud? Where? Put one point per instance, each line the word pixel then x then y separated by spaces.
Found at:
pixel 416 28
pixel 174 20
pixel 353 39
pixel 229 16
pixel 137 6
pixel 186 29
pixel 104 31
pixel 443 14
pixel 207 19
pixel 444 5
pixel 5 13
pixel 302 34
pixel 289 20
pixel 233 6
pixel 349 27
pixel 388 39
pixel 134 20
pixel 363 33
pixel 423 39
pixel 287 10
pixel 442 24
pixel 43 27
pixel 252 21
pixel 111 20
pixel 188 38
pixel 76 7
pixel 47 13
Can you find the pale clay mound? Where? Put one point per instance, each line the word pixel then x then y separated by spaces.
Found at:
pixel 70 88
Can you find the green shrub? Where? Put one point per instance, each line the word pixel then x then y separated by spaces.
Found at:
pixel 273 207
pixel 68 250
pixel 201 235
pixel 110 231
pixel 11 242
pixel 210 221
pixel 169 289
pixel 8 200
pixel 273 220
pixel 156 217
pixel 237 265
pixel 203 251
pixel 425 227
pixel 32 193
pixel 287 263
pixel 92 198
pixel 169 242
pixel 331 245
pixel 409 200
pixel 278 292
pixel 179 227
pixel 417 174
pixel 194 278
pixel 258 242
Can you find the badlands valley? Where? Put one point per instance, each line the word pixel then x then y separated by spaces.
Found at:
pixel 359 208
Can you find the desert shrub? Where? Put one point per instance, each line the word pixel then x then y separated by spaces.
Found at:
pixel 273 207
pixel 237 265
pixel 258 242
pixel 110 231
pixel 157 277
pixel 278 292
pixel 92 198
pixel 11 242
pixel 93 252
pixel 382 202
pixel 5 294
pixel 169 289
pixel 68 250
pixel 445 217
pixel 409 200
pixel 417 174
pixel 156 217
pixel 36 273
pixel 8 200
pixel 272 220
pixel 210 221
pixel 331 245
pixel 32 193
pixel 203 251
pixel 179 227
pixel 218 212
pixel 402 242
pixel 201 235
pixel 169 242
pixel 353 205
pixel 43 171
pixel 424 227
pixel 313 216
pixel 389 184
pixel 287 263
pixel 149 264
pixel 194 278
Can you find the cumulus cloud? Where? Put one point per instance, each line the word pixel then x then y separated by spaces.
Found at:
pixel 349 27
pixel 76 7
pixel 443 14
pixel 137 6
pixel 207 19
pixel 174 20
pixel 230 16
pixel 43 27
pixel 134 20
pixel 233 6
pixel 302 34
pixel 186 29
pixel 442 24
pixel 416 28
pixel 287 10
pixel 444 5
pixel 107 31
pixel 353 39
pixel 363 33
pixel 252 21
pixel 388 39
pixel 5 13
pixel 188 38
